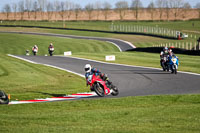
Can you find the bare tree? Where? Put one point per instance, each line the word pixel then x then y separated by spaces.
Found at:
pixel 28 5
pixel 50 9
pixel 197 6
pixel 35 10
pixel 176 6
pixel 7 10
pixel 57 7
pixel 151 9
pixel 62 10
pixel 21 9
pixel 97 7
pixel 186 7
pixel 106 8
pixel 77 10
pixel 167 8
pixel 135 7
pixel 121 8
pixel 89 9
pixel 41 4
pixel 14 8
pixel 69 7
pixel 160 6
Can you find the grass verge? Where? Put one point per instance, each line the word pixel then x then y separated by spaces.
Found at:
pixel 178 113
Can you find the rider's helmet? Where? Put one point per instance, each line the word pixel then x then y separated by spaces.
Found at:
pixel 51 44
pixel 88 68
pixel 165 49
pixel 170 50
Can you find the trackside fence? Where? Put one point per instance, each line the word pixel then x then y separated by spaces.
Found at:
pixel 181 45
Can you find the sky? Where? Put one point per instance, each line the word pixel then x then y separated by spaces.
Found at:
pixel 85 2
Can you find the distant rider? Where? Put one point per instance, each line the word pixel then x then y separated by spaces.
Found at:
pixel 35 50
pixel 51 49
pixel 90 71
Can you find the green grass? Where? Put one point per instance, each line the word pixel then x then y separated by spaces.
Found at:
pixel 150 114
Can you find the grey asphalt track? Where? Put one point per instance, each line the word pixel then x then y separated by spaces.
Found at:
pixel 131 81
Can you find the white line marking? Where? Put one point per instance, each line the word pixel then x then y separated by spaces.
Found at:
pixel 115 45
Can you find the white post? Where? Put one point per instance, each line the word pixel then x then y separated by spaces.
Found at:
pixel 183 45
pixel 199 45
pixel 187 46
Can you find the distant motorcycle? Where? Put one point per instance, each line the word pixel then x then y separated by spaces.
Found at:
pixel 51 50
pixel 3 98
pixel 165 63
pixel 173 62
pixel 101 87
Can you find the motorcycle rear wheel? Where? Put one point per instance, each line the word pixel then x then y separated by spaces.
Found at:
pixel 4 101
pixel 99 90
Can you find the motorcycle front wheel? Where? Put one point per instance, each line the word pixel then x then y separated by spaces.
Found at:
pixel 99 90
pixel 115 91
pixel 175 70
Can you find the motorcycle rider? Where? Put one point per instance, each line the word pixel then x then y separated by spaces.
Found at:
pixel 164 53
pixel 51 49
pixel 35 49
pixel 91 70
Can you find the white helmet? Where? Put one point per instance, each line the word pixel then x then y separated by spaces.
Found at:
pixel 88 68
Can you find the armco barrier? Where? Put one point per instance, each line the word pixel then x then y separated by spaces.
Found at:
pixel 159 49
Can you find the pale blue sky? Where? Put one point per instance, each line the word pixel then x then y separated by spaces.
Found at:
pixel 84 2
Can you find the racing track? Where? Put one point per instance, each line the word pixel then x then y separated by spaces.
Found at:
pixel 131 80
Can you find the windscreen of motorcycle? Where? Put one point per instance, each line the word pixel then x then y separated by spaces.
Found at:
pixel 90 78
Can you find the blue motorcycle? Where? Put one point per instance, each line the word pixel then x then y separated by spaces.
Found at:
pixel 173 62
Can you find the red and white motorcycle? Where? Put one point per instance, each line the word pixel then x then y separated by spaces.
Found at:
pixel 101 87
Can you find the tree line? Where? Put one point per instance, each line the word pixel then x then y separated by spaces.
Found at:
pixel 46 8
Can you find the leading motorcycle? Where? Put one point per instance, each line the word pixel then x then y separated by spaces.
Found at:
pixel 173 62
pixel 101 87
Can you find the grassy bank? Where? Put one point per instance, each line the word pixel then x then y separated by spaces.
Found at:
pixel 150 114
pixel 137 40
